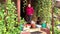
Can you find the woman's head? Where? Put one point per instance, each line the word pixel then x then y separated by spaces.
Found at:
pixel 29 5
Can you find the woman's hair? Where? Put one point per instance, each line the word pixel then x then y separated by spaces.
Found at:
pixel 28 4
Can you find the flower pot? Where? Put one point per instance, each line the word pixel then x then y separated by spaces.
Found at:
pixel 44 25
pixel 33 26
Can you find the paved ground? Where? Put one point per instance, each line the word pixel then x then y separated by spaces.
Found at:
pixel 33 30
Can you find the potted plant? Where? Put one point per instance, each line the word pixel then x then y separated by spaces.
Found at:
pixel 22 22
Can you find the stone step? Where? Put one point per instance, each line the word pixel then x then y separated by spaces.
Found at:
pixel 32 31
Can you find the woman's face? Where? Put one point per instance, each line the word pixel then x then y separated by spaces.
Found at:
pixel 29 5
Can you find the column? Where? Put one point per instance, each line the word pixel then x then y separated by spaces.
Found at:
pixel 18 9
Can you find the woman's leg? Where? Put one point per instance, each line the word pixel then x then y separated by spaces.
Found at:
pixel 29 19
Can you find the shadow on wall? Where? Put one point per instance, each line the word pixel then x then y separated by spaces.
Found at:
pixel 22 12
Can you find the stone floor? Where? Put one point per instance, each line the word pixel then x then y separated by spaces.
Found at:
pixel 33 31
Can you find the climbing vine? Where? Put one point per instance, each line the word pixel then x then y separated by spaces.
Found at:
pixel 43 9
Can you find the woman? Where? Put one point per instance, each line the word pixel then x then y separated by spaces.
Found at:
pixel 29 13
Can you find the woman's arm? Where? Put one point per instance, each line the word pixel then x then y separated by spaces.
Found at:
pixel 32 10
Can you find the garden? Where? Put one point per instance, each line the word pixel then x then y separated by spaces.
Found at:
pixel 45 10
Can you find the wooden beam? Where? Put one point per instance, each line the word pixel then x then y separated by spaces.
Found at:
pixel 18 9
pixel 52 21
pixel 52 17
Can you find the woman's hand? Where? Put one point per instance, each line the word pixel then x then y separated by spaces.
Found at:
pixel 31 14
